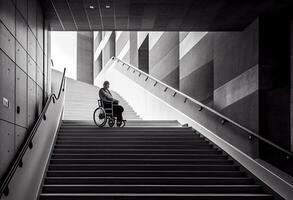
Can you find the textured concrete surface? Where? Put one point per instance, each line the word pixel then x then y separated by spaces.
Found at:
pixel 84 64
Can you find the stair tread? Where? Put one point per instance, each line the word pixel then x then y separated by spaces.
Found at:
pixel 155 194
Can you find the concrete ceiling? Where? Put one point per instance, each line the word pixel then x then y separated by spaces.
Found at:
pixel 155 15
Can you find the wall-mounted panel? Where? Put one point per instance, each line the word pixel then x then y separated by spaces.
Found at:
pixel 7 42
pixel 32 68
pixel 32 45
pixel 21 57
pixel 7 14
pixel 21 30
pixel 32 102
pixel 7 78
pixel 21 98
pixel 7 145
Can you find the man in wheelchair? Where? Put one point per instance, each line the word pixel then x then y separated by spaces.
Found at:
pixel 106 96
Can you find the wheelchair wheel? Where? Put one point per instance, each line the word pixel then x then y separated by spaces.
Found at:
pixel 99 116
pixel 111 122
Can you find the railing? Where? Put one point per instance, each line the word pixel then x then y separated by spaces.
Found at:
pixel 201 106
pixel 18 162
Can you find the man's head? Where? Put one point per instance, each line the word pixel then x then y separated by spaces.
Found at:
pixel 106 85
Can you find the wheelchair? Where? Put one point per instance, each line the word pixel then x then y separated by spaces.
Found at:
pixel 105 113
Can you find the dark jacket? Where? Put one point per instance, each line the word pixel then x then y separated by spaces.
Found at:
pixel 105 95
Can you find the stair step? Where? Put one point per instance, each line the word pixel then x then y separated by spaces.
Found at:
pixel 130 138
pixel 157 196
pixel 151 163
pixel 141 161
pixel 114 189
pixel 165 167
pixel 134 146
pixel 137 156
pixel 96 142
pixel 114 173
pixel 166 130
pixel 150 180
pixel 131 150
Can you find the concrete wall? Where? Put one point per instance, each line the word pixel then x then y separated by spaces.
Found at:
pixel 23 76
pixel 122 39
pixel 196 65
pixel 133 53
pixel 274 81
pixel 85 58
pixel 236 75
pixel 164 57
pixel 143 56
pixel 109 49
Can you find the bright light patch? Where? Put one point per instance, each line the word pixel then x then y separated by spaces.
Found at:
pixel 63 51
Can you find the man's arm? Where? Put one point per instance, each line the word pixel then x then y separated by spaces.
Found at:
pixel 105 96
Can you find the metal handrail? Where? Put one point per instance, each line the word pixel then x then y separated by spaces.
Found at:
pixel 18 162
pixel 202 106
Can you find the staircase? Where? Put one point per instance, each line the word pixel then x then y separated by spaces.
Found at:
pixel 81 100
pixel 141 162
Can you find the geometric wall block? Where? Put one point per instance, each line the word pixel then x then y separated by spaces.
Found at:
pixel 7 145
pixel 7 14
pixel 21 30
pixel 32 68
pixel 32 15
pixel 21 57
pixel 21 98
pixel 7 42
pixel 32 45
pixel 7 82
pixel 22 7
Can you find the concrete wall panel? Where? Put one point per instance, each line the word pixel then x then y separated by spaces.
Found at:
pixel 32 45
pixel 21 98
pixel 199 84
pixel 21 30
pixel 21 5
pixel 7 78
pixel 32 15
pixel 85 57
pixel 133 53
pixel 15 69
pixel 32 68
pixel 234 53
pixel 20 134
pixel 21 57
pixel 7 14
pixel 7 42
pixel 7 145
